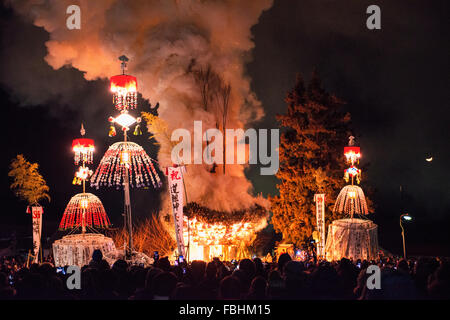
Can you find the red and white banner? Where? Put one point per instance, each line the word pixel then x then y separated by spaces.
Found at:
pixel 36 215
pixel 175 176
pixel 319 199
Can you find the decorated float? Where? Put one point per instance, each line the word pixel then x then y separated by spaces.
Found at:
pixel 83 217
pixel 355 236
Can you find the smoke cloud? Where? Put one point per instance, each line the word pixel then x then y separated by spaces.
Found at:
pixel 166 42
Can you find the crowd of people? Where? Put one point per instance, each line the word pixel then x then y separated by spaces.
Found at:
pixel 286 279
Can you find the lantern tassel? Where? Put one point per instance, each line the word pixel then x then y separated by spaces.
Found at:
pixel 112 131
pixel 137 130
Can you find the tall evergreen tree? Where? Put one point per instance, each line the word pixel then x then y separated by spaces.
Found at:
pixel 315 131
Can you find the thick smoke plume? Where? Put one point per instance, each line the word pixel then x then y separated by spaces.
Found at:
pixel 166 41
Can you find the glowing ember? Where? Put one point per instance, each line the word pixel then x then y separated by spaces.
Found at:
pixel 91 206
pixel 123 156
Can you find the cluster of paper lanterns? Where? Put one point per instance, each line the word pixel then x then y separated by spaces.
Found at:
pixel 122 156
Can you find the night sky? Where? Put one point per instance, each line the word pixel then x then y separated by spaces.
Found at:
pixel 395 82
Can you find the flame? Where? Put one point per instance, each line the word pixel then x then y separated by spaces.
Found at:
pixel 203 233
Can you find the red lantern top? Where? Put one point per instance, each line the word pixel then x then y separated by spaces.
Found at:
pixel 82 143
pixel 124 88
pixel 352 150
pixel 123 82
pixel 84 149
pixel 352 154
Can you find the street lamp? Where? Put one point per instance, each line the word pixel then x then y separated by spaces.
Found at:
pixel 405 217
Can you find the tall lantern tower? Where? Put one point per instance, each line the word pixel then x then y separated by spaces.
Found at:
pixel 125 163
pixel 83 216
pixel 355 236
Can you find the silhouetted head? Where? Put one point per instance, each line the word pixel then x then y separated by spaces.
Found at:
pixel 258 286
pixel 120 266
pixel 97 255
pixel 151 274
pixel 230 288
pixel 164 284
pixel 163 264
pixel 282 260
pixel 248 267
pixel 293 269
pixel 402 265
pixel 211 270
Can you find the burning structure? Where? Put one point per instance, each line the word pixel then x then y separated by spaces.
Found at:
pixel 209 233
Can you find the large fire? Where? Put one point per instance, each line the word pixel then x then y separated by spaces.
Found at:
pixel 209 235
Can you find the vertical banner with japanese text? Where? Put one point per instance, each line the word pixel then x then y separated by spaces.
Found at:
pixel 176 190
pixel 36 215
pixel 319 199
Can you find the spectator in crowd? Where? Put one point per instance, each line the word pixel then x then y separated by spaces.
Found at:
pixel 163 285
pixel 295 280
pixel 282 260
pixel 257 289
pixel 6 291
pixel 230 288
